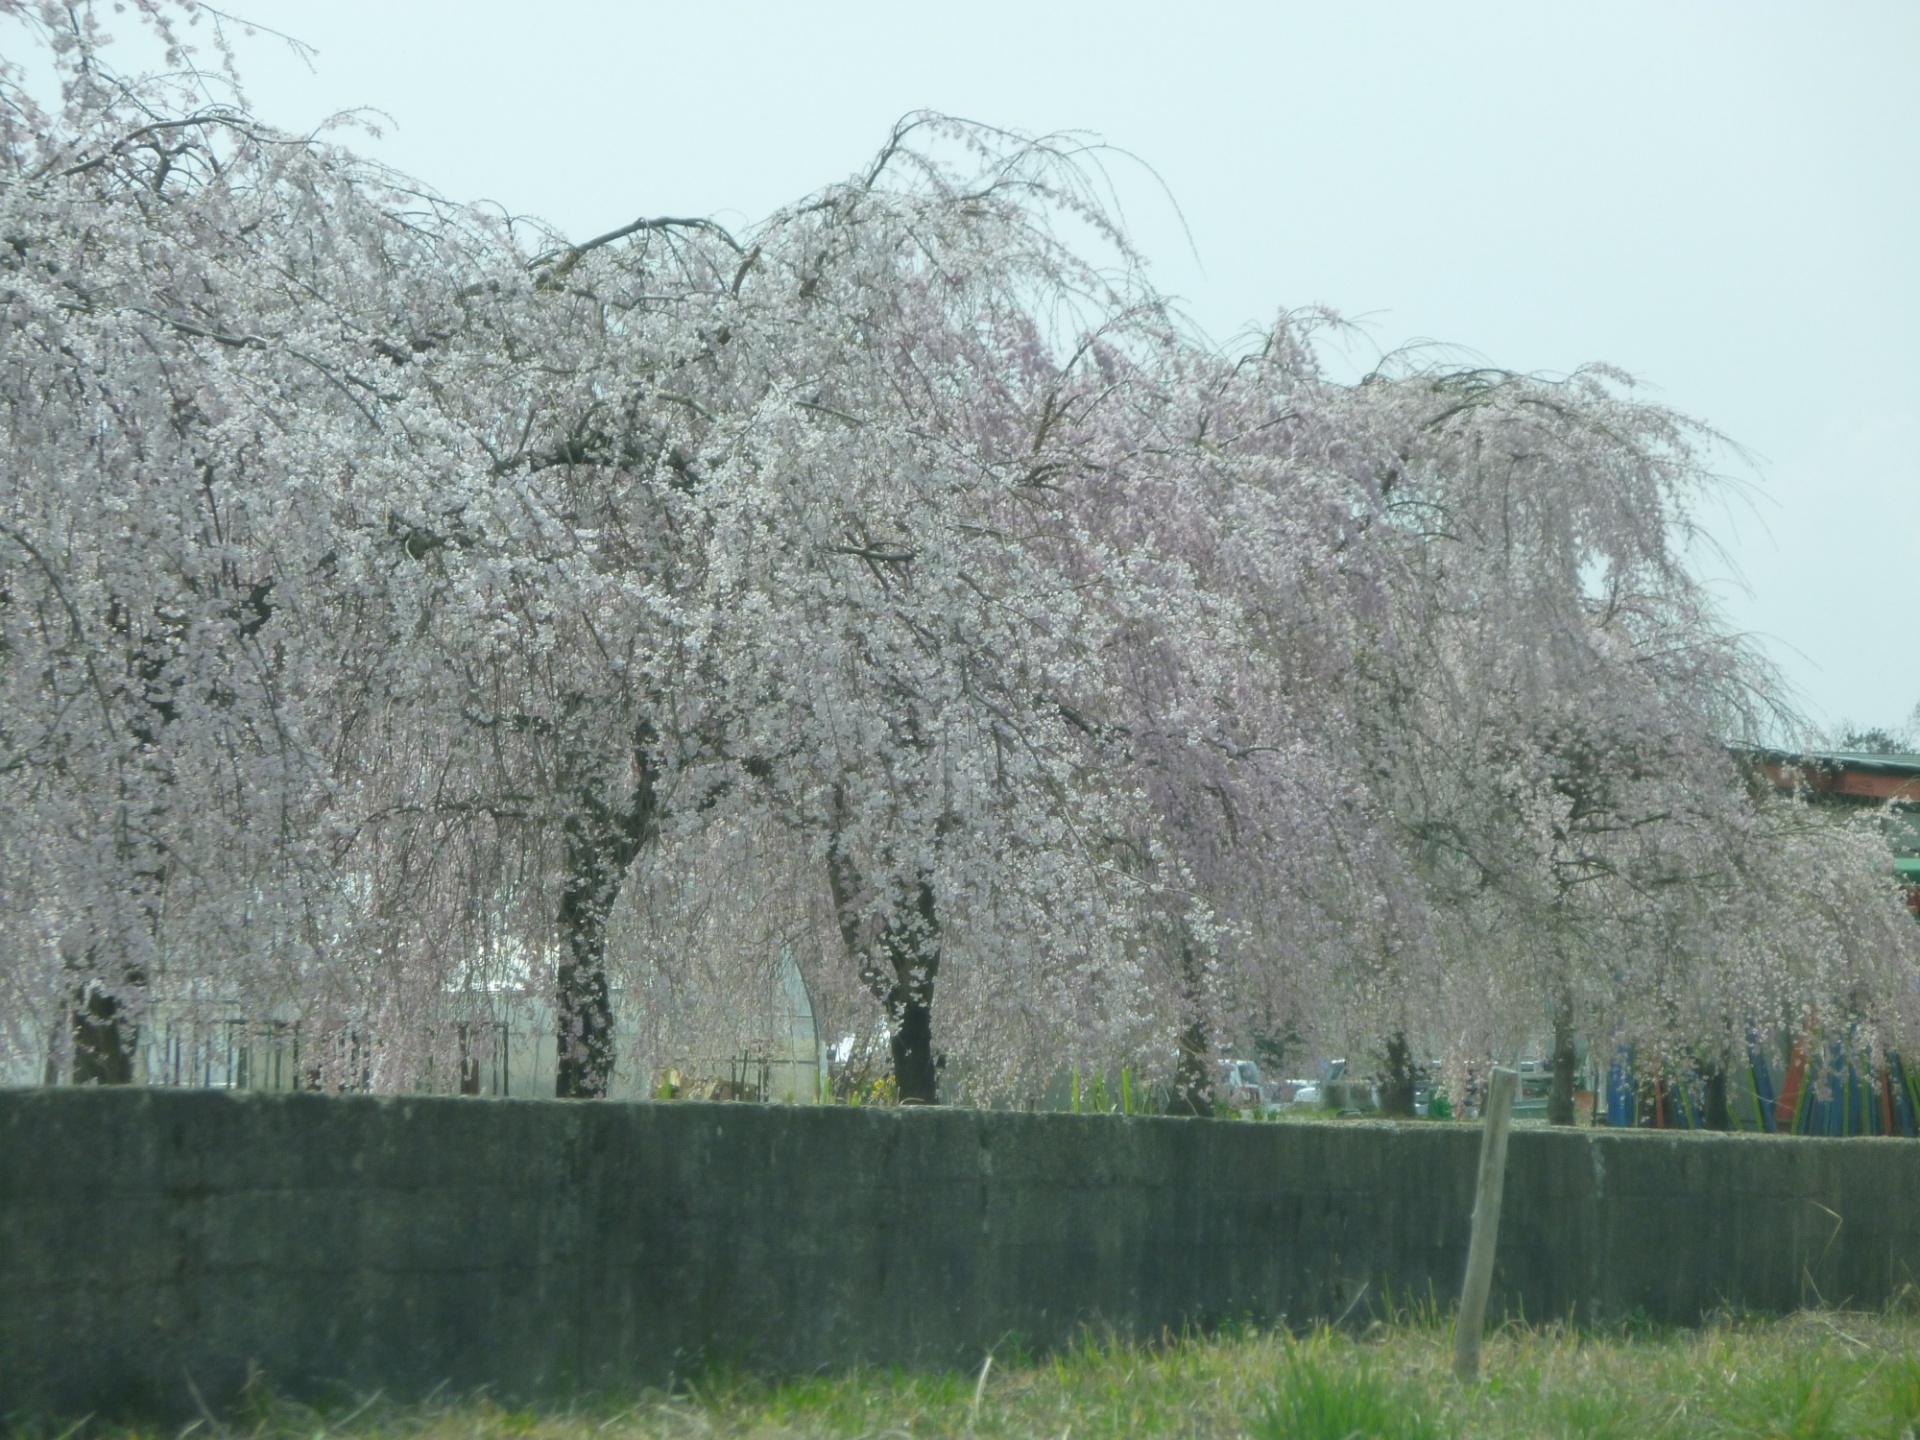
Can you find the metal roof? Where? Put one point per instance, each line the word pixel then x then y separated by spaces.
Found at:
pixel 1870 761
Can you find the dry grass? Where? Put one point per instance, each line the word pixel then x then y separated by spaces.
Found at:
pixel 1809 1377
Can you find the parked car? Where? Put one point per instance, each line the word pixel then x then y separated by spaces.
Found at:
pixel 1332 1089
pixel 1530 1098
pixel 1536 1082
pixel 1242 1087
pixel 1282 1092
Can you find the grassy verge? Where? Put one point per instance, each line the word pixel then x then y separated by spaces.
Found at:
pixel 1808 1377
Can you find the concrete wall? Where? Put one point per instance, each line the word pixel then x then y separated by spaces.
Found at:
pixel 343 1244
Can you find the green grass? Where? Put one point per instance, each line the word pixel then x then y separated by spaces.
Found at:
pixel 1810 1377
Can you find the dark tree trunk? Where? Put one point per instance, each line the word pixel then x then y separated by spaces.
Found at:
pixel 469 1071
pixel 1649 1104
pixel 1396 1080
pixel 899 962
pixel 104 1033
pixel 1560 1095
pixel 912 948
pixel 584 1007
pixel 103 1037
pixel 911 1045
pixel 912 951
pixel 1718 1116
pixel 101 1023
pixel 601 843
pixel 1193 1070
pixel 1193 1074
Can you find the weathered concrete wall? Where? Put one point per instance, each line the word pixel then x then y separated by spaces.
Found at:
pixel 349 1244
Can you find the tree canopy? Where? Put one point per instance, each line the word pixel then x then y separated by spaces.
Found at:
pixel 392 590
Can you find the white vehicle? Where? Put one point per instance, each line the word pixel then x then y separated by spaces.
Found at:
pixel 1241 1087
pixel 1333 1090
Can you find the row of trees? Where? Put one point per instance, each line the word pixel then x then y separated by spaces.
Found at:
pixel 392 593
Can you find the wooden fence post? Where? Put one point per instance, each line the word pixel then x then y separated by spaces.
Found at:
pixel 1486 1225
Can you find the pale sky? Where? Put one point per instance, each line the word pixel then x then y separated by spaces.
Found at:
pixel 1723 199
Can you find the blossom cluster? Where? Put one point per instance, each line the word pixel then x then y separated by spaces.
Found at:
pixel 401 605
